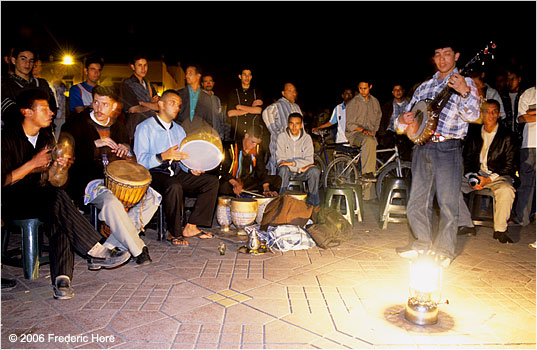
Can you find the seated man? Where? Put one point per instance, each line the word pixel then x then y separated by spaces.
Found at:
pixel 156 144
pixel 243 167
pixel 97 133
pixel 489 162
pixel 25 194
pixel 294 156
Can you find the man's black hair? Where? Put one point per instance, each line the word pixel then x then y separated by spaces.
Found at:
pixel 491 101
pixel 92 60
pixel 26 98
pixel 170 91
pixel 18 50
pixel 295 115
pixel 256 130
pixel 138 56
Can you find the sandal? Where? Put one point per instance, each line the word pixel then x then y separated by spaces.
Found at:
pixel 177 241
pixel 200 235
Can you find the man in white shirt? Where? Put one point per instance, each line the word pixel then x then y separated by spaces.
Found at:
pixel 526 191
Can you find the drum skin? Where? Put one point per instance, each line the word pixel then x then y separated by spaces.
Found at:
pixel 127 180
pixel 205 150
pixel 428 121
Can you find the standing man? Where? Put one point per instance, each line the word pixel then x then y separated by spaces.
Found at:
pixel 97 132
pixel 207 84
pixel 275 118
pixel 339 117
pixel 437 165
pixel 526 191
pixel 387 137
pixel 363 120
pixel 26 162
pixel 156 145
pixel 23 60
pixel 80 94
pixel 490 155
pixel 511 99
pixel 138 96
pixel 244 106
pixel 294 154
pixel 196 107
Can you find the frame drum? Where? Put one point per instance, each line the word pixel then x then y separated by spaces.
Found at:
pixel 205 150
pixel 127 180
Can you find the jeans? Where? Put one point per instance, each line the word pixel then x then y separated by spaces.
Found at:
pixel 311 175
pixel 436 171
pixel 526 191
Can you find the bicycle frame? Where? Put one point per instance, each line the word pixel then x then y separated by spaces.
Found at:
pixel 395 156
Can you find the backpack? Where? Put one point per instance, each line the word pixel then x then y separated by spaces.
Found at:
pixel 330 228
pixel 286 210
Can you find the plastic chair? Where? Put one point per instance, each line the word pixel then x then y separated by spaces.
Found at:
pixel 30 251
pixel 346 195
pixel 393 202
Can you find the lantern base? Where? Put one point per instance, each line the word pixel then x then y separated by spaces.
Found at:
pixel 421 312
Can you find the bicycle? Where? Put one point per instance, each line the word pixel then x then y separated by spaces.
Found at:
pixel 346 168
pixel 320 158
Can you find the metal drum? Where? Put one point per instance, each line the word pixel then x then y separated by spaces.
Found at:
pixel 243 213
pixel 223 213
pixel 127 180
pixel 262 203
pixel 205 150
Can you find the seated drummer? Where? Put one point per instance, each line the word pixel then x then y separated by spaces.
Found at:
pixel 244 168
pixel 26 159
pixel 98 134
pixel 156 144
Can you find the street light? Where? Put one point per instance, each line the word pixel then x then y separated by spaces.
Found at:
pixel 68 60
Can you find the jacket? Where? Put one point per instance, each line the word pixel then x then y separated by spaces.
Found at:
pixel 300 151
pixel 502 155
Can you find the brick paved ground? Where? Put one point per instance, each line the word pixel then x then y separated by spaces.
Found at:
pixel 352 296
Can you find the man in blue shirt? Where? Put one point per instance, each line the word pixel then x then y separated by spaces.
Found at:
pixel 437 165
pixel 80 94
pixel 156 145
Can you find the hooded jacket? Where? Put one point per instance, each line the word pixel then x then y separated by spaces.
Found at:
pixel 300 151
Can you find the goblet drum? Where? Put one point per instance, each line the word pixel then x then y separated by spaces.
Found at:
pixel 262 203
pixel 223 213
pixel 301 196
pixel 243 213
pixel 127 180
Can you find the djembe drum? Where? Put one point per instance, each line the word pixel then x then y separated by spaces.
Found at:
pixel 127 180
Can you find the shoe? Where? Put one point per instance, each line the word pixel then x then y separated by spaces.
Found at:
pixel 533 245
pixel 502 237
pixel 62 288
pixel 8 284
pixel 443 260
pixel 407 253
pixel 144 258
pixel 465 230
pixel 369 177
pixel 113 259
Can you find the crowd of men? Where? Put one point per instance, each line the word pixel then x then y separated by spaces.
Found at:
pixel 265 146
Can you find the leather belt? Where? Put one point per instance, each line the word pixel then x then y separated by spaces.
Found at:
pixel 439 138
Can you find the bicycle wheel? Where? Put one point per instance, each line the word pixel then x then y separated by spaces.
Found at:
pixel 390 171
pixel 319 163
pixel 341 171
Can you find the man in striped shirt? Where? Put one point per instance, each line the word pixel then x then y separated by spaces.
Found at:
pixel 437 165
pixel 275 118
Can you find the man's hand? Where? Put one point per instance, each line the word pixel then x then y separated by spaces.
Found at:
pixel 41 160
pixel 155 98
pixel 237 186
pixel 483 181
pixel 121 150
pixel 529 117
pixel 196 172
pixel 257 103
pixel 267 192
pixel 284 162
pixel 407 118
pixel 458 83
pixel 172 154
pixel 304 169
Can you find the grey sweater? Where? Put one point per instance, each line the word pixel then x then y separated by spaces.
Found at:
pixel 300 151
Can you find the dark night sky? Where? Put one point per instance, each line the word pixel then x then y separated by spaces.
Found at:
pixel 322 47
